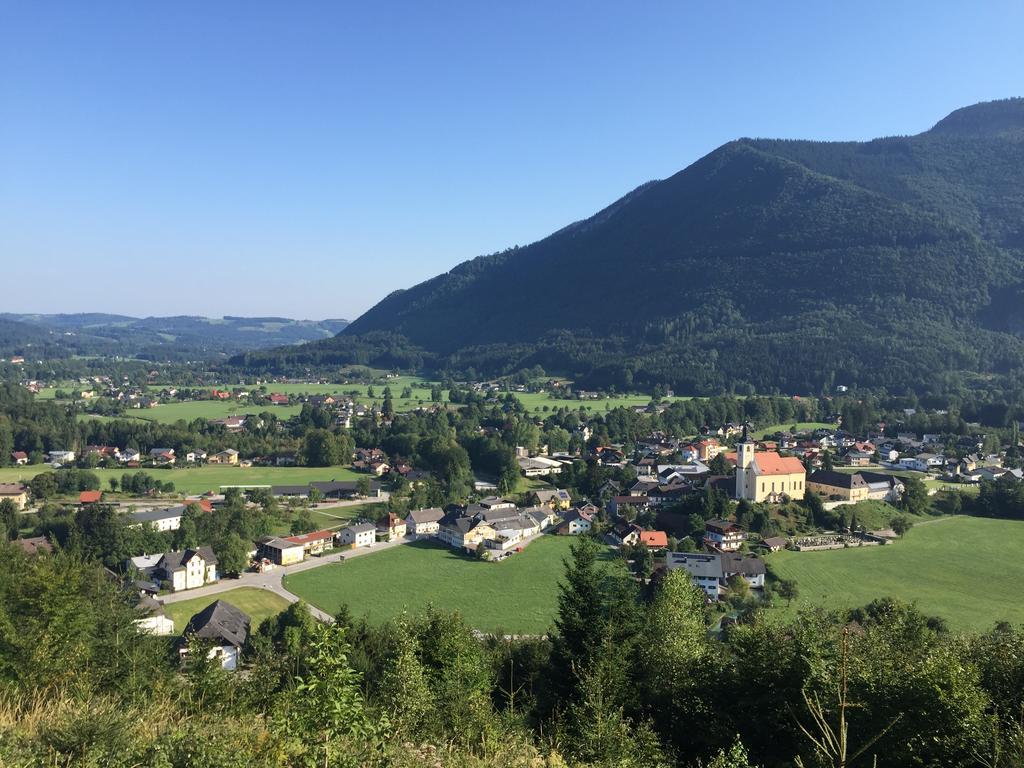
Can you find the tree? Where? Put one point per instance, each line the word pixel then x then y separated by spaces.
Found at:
pixel 363 486
pixel 826 461
pixel 787 590
pixel 900 525
pixel 232 554
pixel 113 484
pixel 320 449
pixel 914 500
pixel 719 465
pixel 8 520
pixel 815 508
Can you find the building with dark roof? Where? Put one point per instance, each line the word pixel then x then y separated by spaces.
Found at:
pixel 222 625
pixel 842 485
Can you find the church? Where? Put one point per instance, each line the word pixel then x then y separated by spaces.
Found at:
pixel 767 476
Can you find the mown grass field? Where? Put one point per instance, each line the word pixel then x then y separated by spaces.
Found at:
pixel 259 604
pixel 194 480
pixel 964 569
pixel 517 596
pixel 801 426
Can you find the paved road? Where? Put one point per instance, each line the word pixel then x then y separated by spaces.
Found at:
pixel 272 580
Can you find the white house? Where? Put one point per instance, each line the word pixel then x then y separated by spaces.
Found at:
pixel 539 466
pixel 168 519
pixel 358 535
pixel 61 457
pixel 711 570
pixel 153 621
pixel 187 570
pixel 424 522
pixel 222 624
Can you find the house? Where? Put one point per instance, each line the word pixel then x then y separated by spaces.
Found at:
pixel 625 533
pixel 152 620
pixel 162 455
pixel 555 499
pixel 654 539
pixel 576 521
pixel 16 492
pixel 314 543
pixel 188 569
pixel 129 455
pixel 230 423
pixel 193 457
pixel 391 527
pixel 228 456
pixel 223 625
pixel 883 487
pixel 775 543
pixel 90 497
pixel 218 394
pixel 767 476
pixel 723 535
pixel 856 458
pixel 167 519
pixel 539 466
pixel 19 458
pixel 914 463
pixel 61 457
pixel 708 448
pixel 424 522
pixel 280 551
pixel 711 571
pixel 34 545
pixel 844 485
pixel 358 535
pixel 278 399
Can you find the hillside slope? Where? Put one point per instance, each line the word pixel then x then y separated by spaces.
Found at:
pixel 766 264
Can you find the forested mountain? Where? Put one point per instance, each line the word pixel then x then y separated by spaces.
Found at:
pixel 158 338
pixel 767 264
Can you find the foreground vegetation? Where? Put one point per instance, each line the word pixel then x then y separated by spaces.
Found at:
pixel 629 678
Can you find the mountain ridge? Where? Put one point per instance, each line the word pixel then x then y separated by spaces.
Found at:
pixel 726 267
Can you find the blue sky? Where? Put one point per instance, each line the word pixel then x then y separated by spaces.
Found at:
pixel 305 159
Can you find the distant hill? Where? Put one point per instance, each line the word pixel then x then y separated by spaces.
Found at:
pixel 156 338
pixel 767 264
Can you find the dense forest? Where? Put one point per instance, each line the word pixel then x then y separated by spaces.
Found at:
pixel 765 266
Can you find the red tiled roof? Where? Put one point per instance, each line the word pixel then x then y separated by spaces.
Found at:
pixel 309 538
pixel 654 539
pixel 89 497
pixel 771 463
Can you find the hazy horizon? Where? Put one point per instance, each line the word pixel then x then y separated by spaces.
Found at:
pixel 254 160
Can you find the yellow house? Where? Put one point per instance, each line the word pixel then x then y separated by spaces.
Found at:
pixel 16 492
pixel 230 456
pixel 848 487
pixel 280 551
pixel 767 476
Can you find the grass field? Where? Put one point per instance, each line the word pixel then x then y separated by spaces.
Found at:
pixel 943 565
pixel 801 426
pixel 258 603
pixel 517 596
pixel 193 480
pixel 535 402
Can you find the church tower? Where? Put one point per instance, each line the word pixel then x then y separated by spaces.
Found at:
pixel 744 460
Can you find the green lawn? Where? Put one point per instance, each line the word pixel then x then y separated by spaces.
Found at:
pixel 944 565
pixel 258 603
pixel 801 426
pixel 518 595
pixel 194 480
pixel 535 402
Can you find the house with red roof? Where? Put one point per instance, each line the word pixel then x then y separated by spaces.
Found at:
pixel 278 399
pixel 654 539
pixel 90 497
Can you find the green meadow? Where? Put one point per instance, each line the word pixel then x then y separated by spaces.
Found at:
pixel 943 565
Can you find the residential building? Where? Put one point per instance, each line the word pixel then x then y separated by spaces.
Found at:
pixel 188 569
pixel 358 535
pixel 624 533
pixel 556 498
pixel 19 458
pixel 90 497
pixel 16 492
pixel 539 466
pixel 222 624
pixel 229 456
pixel 883 487
pixel 280 551
pixel 842 485
pixel 61 457
pixel 424 522
pixel 576 521
pixel 723 535
pixel 711 571
pixel 654 539
pixel 168 519
pixel 153 621
pixel 314 543
pixel 391 527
